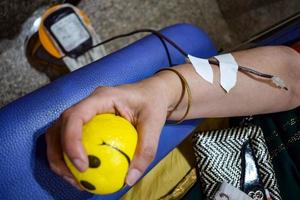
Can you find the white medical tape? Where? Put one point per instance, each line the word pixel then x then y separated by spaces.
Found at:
pixel 228 71
pixel 202 67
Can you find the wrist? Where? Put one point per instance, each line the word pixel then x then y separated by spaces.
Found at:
pixel 171 88
pixel 162 88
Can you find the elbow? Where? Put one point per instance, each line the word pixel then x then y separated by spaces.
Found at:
pixel 296 84
pixel 290 71
pixel 294 76
pixel 295 99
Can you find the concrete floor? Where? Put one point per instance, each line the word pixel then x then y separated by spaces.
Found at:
pixel 227 22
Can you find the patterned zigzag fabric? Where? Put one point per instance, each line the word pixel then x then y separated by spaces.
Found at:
pixel 218 155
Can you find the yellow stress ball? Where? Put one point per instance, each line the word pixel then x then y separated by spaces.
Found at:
pixel 109 142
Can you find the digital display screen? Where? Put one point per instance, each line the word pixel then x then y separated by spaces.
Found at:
pixel 70 32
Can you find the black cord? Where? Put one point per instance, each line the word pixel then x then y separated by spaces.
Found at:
pixel 157 33
pixel 244 69
pixel 167 51
pixel 163 38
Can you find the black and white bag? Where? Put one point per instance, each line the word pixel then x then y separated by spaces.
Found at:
pixel 225 156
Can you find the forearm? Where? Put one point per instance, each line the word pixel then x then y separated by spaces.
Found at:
pixel 251 95
pixel 147 103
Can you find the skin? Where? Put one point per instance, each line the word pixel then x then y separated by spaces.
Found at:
pixel 135 102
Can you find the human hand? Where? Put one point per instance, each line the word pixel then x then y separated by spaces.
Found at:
pixel 144 104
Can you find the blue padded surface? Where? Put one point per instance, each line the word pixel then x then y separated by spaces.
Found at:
pixel 24 171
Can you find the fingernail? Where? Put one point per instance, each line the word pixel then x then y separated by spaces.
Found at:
pixel 69 179
pixel 55 169
pixel 72 182
pixel 133 176
pixel 79 164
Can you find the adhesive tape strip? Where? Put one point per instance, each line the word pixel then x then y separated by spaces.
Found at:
pixel 202 67
pixel 228 71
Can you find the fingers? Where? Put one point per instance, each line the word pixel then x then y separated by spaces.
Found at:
pixel 54 152
pixel 149 132
pixel 72 182
pixel 71 141
pixel 72 121
pixel 55 158
pixel 66 134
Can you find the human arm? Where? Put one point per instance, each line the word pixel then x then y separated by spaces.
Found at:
pixel 251 95
pixel 147 103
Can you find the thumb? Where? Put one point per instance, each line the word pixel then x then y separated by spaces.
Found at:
pixel 149 131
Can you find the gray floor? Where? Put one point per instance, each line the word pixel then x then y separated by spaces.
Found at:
pixel 228 22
